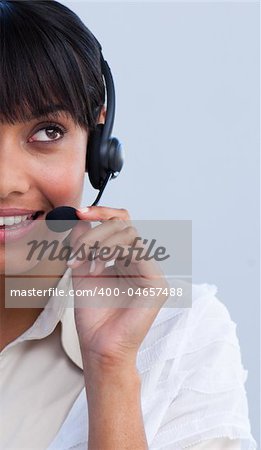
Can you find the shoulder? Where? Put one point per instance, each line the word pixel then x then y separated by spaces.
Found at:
pixel 192 375
pixel 186 327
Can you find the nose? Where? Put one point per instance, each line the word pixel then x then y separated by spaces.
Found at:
pixel 14 177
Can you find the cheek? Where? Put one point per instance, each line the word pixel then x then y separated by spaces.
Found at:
pixel 62 183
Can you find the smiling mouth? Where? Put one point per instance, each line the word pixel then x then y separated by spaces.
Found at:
pixel 18 221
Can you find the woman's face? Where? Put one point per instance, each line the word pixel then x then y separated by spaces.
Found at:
pixel 42 165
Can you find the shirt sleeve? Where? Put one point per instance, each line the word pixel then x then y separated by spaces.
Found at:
pixel 211 401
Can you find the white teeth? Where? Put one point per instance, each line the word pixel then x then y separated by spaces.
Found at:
pixel 17 219
pixel 11 220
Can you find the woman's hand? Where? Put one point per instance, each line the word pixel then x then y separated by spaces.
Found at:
pixel 111 331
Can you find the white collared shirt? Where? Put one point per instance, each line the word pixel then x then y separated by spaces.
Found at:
pixel 192 377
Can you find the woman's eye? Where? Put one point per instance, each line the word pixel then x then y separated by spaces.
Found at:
pixel 48 134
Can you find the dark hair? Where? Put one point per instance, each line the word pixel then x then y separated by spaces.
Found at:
pixel 49 60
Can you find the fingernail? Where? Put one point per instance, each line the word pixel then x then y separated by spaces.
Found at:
pixel 71 261
pixel 92 266
pixel 98 268
pixel 84 210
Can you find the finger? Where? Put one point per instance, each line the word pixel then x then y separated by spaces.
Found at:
pixel 118 252
pixel 90 242
pixel 101 213
pixel 125 245
pixel 127 236
pixel 151 302
pixel 117 246
pixel 127 248
pixel 101 232
pixel 80 228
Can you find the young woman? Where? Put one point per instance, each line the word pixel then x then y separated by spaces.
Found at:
pixel 102 378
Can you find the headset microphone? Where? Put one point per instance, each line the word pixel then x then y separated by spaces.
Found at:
pixel 104 158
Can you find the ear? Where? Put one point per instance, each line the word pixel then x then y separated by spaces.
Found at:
pixel 101 118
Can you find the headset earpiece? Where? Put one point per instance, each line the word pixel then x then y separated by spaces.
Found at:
pixel 99 163
pixel 104 154
pixel 116 156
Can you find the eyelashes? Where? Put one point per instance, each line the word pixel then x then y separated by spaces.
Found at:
pixel 48 132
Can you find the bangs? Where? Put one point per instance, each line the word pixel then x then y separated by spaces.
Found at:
pixel 49 62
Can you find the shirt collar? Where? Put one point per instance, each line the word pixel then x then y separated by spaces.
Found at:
pixel 57 309
pixel 63 311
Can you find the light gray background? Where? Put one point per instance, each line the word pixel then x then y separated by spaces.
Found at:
pixel 187 84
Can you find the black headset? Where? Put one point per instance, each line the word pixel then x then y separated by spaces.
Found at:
pixel 104 158
pixel 104 155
